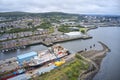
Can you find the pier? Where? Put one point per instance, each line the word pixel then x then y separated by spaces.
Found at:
pixel 94 57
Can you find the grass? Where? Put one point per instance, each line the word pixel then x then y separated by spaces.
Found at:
pixel 51 30
pixel 69 71
pixel 64 29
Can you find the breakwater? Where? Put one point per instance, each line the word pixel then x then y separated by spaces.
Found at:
pixel 94 57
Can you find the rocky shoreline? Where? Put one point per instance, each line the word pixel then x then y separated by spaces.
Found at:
pixel 94 57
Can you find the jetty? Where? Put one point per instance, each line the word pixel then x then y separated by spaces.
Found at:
pixel 94 57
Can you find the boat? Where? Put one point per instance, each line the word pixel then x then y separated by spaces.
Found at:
pixel 53 53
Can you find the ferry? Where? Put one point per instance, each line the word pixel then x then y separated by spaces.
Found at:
pixel 53 53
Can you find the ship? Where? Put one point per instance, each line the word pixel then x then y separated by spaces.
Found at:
pixel 53 53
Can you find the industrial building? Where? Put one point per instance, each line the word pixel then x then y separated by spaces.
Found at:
pixel 74 34
pixel 46 69
pixel 26 57
pixel 20 77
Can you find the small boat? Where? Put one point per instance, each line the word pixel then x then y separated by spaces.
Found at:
pixel 3 51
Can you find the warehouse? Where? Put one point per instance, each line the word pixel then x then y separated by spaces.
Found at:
pixel 20 77
pixel 26 57
pixel 74 34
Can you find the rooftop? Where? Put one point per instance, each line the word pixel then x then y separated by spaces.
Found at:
pixel 27 55
pixel 73 33
pixel 20 77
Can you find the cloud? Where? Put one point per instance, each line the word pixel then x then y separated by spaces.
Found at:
pixel 68 6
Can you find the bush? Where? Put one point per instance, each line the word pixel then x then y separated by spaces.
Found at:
pixel 78 56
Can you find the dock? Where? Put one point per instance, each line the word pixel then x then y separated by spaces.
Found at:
pixel 50 42
pixel 32 60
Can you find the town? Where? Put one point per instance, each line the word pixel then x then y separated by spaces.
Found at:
pixel 27 29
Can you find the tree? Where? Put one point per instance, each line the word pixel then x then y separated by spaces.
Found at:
pixel 83 31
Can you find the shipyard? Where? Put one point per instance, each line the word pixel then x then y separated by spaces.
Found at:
pixel 25 62
pixel 33 64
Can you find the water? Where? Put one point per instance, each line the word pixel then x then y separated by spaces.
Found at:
pixel 110 66
pixel 11 54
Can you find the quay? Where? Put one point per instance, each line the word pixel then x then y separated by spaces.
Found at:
pixel 47 43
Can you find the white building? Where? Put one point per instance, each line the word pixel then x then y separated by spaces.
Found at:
pixel 74 34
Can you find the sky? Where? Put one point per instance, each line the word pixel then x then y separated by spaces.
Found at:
pixel 107 7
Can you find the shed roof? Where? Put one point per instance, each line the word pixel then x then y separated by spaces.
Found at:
pixel 47 69
pixel 27 55
pixel 73 33
pixel 20 77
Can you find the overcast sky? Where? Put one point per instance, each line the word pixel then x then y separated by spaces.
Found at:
pixel 68 6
